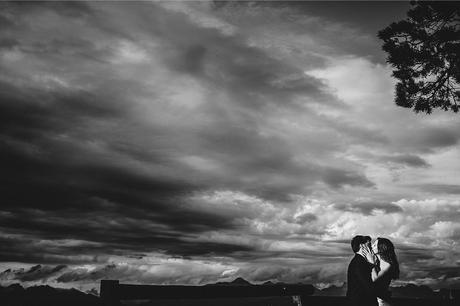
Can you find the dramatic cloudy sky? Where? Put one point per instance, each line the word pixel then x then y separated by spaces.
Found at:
pixel 191 142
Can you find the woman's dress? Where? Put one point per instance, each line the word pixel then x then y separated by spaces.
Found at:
pixel 382 288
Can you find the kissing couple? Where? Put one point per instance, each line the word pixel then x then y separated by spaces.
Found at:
pixel 370 271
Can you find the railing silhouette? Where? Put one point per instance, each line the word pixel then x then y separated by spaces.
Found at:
pixel 112 292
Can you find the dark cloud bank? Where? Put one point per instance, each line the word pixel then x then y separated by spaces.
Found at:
pixel 57 183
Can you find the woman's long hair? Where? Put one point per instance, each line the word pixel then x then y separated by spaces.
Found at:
pixel 386 250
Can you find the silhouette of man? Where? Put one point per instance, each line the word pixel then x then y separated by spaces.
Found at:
pixel 360 290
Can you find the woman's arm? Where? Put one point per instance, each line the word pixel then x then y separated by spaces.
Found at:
pixel 375 275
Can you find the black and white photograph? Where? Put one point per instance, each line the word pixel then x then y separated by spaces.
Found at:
pixel 249 153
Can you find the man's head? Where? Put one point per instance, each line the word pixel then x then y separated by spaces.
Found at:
pixel 358 241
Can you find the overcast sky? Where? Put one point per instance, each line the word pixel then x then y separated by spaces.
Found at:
pixel 194 142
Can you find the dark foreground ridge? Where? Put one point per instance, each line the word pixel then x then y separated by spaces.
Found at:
pixel 112 292
pixel 406 291
pixel 241 292
pixel 16 295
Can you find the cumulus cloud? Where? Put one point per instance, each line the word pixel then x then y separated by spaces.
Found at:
pixel 35 273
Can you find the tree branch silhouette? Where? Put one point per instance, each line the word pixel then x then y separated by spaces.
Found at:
pixel 424 49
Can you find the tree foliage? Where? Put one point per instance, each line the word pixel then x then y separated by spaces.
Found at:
pixel 424 49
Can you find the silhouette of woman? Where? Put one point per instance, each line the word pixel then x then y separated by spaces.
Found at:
pixel 386 269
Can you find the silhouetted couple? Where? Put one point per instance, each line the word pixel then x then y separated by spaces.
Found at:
pixel 371 271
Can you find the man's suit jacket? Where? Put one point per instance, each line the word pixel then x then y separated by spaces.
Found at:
pixel 360 290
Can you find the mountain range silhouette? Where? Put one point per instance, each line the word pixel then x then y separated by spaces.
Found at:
pixel 16 295
pixel 236 282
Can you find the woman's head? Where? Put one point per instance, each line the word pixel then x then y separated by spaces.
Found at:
pixel 386 250
pixel 384 246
